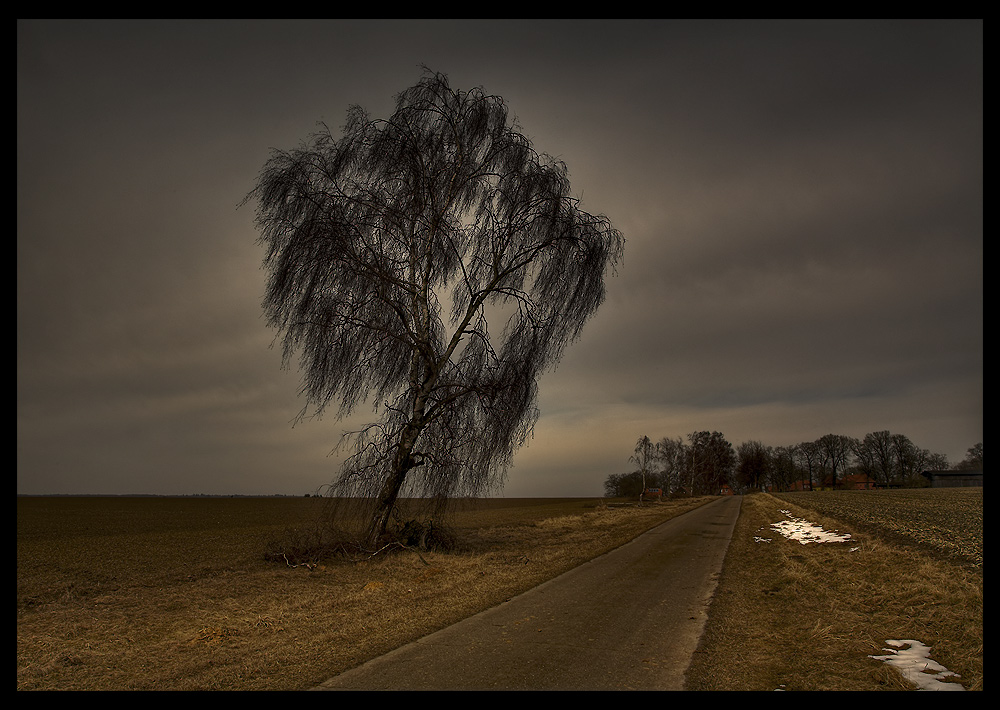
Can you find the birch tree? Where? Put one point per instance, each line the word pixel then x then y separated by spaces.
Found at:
pixel 388 248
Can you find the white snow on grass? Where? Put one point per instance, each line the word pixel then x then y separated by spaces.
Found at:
pixel 909 657
pixel 914 662
pixel 806 532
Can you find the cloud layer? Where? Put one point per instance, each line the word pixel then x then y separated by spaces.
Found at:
pixel 802 203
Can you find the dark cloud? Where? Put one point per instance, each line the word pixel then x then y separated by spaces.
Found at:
pixel 802 203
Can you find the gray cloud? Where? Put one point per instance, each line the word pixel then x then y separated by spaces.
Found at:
pixel 802 203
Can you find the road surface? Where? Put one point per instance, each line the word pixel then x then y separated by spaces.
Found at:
pixel 628 620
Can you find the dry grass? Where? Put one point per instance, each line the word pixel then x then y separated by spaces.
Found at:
pixel 155 594
pixel 144 594
pixel 806 617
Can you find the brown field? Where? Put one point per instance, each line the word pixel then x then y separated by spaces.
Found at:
pixel 944 521
pixel 176 593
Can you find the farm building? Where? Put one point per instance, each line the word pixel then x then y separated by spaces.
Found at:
pixel 849 482
pixel 954 479
pixel 858 482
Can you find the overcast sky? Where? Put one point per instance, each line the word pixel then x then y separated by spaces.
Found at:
pixel 802 203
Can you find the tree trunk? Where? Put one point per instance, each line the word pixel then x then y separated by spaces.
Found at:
pixel 401 464
pixel 384 507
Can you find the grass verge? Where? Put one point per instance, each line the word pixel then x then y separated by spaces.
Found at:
pixel 788 616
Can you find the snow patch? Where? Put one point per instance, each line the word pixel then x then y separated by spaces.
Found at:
pixel 914 662
pixel 806 532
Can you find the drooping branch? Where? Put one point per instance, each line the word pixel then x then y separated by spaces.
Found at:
pixel 371 238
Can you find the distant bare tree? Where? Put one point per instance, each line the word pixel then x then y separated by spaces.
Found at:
pixel 784 467
pixel 810 460
pixel 836 451
pixel 670 455
pixel 753 464
pixel 645 452
pixel 711 461
pixel 973 458
pixel 864 462
pixel 624 485
pixel 909 459
pixel 388 249
pixel 875 450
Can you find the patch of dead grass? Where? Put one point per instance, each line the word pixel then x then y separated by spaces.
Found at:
pixel 806 617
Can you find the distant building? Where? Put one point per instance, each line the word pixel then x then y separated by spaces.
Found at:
pixel 847 482
pixel 954 479
pixel 858 482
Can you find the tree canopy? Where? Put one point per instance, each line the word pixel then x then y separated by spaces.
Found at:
pixel 391 248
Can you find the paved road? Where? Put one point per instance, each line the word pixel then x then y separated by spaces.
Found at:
pixel 628 620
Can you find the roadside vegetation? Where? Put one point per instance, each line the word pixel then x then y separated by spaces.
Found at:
pixel 190 594
pixel 793 616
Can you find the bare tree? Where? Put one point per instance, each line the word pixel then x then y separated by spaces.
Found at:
pixel 645 452
pixel 864 458
pixel 836 451
pixel 911 460
pixel 973 458
pixel 753 464
pixel 388 248
pixel 624 485
pixel 785 469
pixel 876 450
pixel 670 455
pixel 811 459
pixel 711 461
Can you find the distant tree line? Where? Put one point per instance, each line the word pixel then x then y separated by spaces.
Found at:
pixel 706 463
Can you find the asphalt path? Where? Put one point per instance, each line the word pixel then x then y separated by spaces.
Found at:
pixel 627 620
